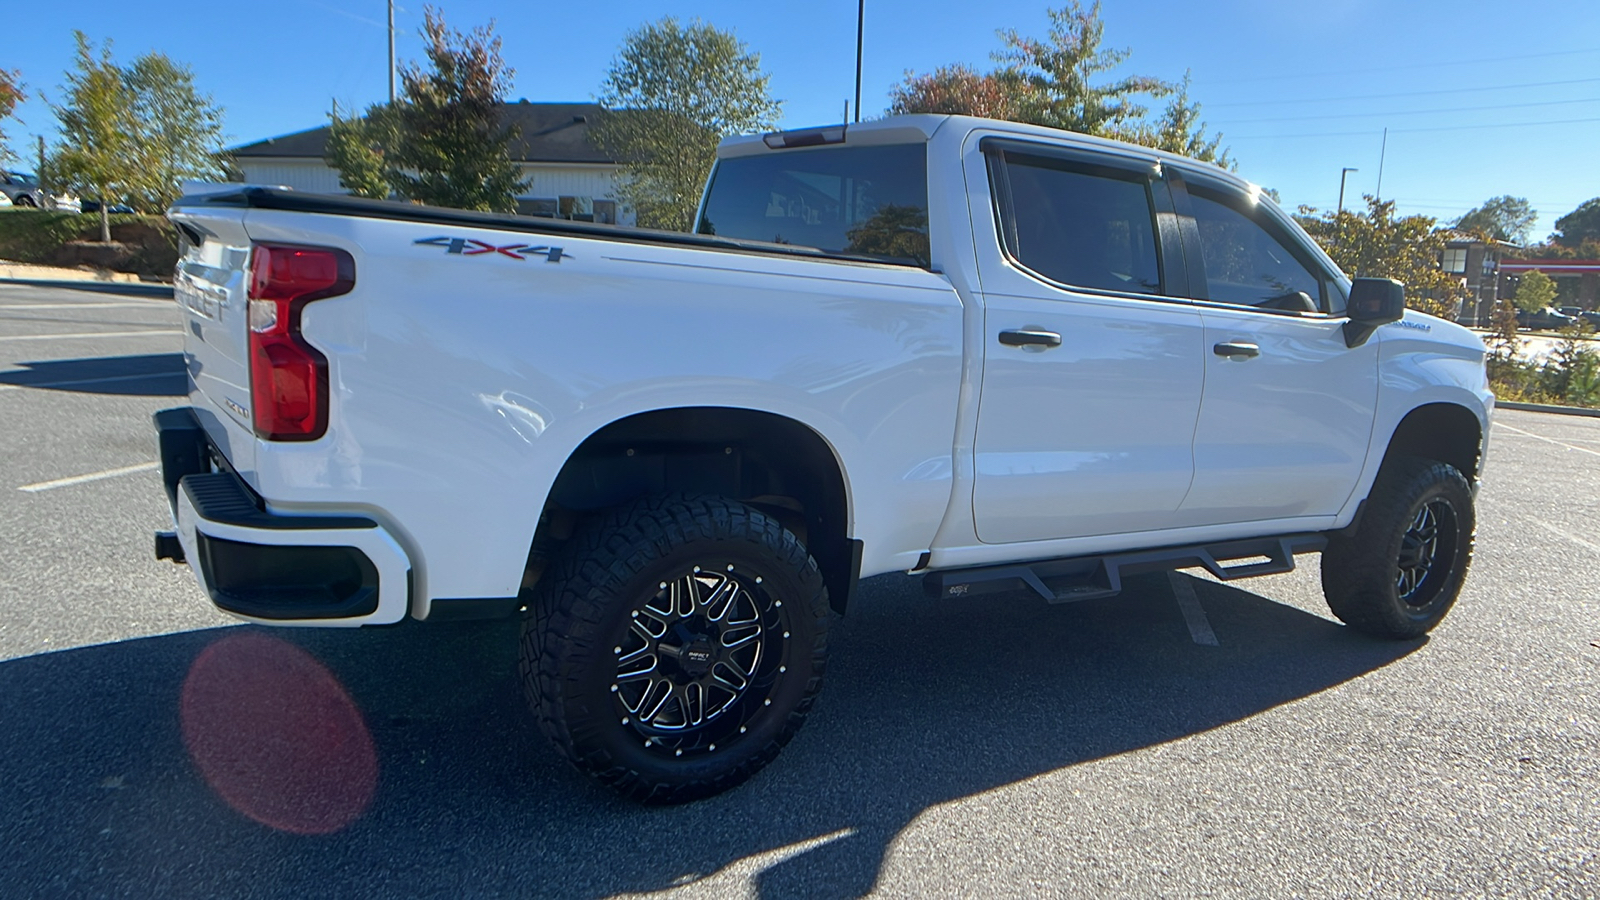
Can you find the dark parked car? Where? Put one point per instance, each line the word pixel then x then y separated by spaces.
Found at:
pixel 1546 319
pixel 93 206
pixel 23 189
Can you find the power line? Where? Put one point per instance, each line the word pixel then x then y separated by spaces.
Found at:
pixel 1374 131
pixel 1502 87
pixel 1437 65
pixel 1413 112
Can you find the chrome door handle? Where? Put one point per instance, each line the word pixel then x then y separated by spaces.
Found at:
pixel 1237 350
pixel 1030 337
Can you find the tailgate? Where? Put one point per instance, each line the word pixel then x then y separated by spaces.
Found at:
pixel 210 285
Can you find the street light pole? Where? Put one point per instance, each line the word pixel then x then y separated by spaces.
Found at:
pixel 861 21
pixel 1342 173
pixel 391 53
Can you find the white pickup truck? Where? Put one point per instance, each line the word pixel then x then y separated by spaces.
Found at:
pixel 997 356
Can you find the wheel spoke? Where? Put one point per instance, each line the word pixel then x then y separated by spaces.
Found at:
pixel 728 675
pixel 721 600
pixel 739 635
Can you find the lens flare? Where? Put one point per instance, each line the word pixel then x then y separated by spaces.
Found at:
pixel 276 736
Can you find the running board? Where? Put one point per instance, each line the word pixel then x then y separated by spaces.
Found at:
pixel 1093 577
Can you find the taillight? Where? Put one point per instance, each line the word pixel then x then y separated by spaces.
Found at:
pixel 288 377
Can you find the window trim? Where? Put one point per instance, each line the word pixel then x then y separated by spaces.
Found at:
pixel 1179 182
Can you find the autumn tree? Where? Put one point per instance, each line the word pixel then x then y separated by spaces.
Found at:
pixel 98 155
pixel 443 141
pixel 11 94
pixel 1535 291
pixel 672 93
pixel 1376 243
pixel 1504 218
pixel 953 90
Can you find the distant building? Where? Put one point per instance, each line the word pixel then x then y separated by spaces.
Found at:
pixel 1478 264
pixel 1586 271
pixel 568 177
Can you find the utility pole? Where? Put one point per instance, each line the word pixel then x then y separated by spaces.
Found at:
pixel 43 188
pixel 861 21
pixel 1342 173
pixel 391 52
pixel 1382 152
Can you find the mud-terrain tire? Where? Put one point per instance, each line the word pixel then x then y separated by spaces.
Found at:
pixel 1402 569
pixel 675 646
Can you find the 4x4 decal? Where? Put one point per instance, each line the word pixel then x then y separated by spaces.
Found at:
pixel 471 247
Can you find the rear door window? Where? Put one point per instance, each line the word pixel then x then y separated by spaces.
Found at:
pixel 1082 225
pixel 860 201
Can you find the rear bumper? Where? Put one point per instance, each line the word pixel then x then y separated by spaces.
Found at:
pixel 325 570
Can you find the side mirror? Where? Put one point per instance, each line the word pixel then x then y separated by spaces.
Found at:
pixel 1373 302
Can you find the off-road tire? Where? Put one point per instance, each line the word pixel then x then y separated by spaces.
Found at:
pixel 1375 580
pixel 640 559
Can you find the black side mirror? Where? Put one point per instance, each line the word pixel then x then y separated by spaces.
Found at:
pixel 1373 302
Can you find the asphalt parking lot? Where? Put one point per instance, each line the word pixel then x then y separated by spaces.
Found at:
pixel 995 747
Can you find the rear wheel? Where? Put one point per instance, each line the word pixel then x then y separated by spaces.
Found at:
pixel 24 200
pixel 676 647
pixel 1402 569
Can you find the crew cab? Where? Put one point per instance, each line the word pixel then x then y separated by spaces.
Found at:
pixel 996 356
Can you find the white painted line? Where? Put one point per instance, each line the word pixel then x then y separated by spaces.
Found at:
pixel 1540 437
pixel 93 476
pixel 52 384
pixel 91 305
pixel 86 334
pixel 1193 613
pixel 1590 545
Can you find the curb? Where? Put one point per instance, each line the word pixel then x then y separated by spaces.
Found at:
pixel 1549 408
pixel 26 272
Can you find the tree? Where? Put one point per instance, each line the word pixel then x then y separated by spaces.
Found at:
pixel 1504 218
pixel 1580 225
pixel 442 142
pixel 1054 78
pixel 11 94
pixel 1376 244
pixel 1535 291
pixel 953 90
pixel 97 130
pixel 1180 131
pixel 179 131
pixel 672 93
pixel 355 150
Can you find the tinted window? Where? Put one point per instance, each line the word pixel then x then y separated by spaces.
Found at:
pixel 1086 226
pixel 871 201
pixel 1248 265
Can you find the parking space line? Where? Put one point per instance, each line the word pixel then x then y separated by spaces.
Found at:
pixel 1589 545
pixel 92 305
pixel 92 476
pixel 86 334
pixel 110 378
pixel 1193 613
pixel 1541 437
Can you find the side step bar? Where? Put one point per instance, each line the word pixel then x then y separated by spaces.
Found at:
pixel 1092 577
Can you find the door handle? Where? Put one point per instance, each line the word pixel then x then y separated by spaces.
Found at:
pixel 1030 337
pixel 1237 349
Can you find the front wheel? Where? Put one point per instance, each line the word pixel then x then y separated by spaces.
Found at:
pixel 1401 571
pixel 676 647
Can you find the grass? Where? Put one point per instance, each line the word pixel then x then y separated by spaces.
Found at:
pixel 32 236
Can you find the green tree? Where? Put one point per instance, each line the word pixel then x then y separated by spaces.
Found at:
pixel 98 153
pixel 672 93
pixel 1181 131
pixel 1377 244
pixel 1579 226
pixel 179 131
pixel 449 147
pixel 355 151
pixel 1535 291
pixel 1503 218
pixel 11 94
pixel 1055 79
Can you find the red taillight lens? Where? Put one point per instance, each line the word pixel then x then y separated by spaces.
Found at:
pixel 288 377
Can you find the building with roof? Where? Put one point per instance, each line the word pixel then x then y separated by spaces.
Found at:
pixel 1478 263
pixel 1585 271
pixel 568 176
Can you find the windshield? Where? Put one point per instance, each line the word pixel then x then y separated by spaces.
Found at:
pixel 23 178
pixel 868 201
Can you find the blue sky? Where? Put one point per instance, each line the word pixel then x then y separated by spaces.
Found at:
pixel 1481 98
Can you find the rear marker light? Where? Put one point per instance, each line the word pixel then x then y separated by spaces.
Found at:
pixel 289 377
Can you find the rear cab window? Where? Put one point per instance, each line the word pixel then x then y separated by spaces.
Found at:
pixel 869 201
